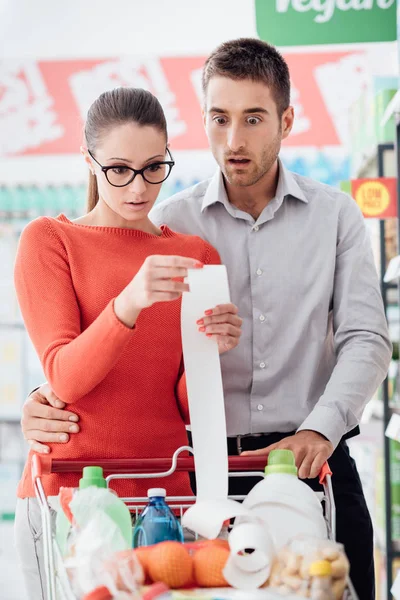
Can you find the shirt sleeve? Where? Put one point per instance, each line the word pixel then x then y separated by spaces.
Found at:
pixel 361 338
pixel 70 356
pixel 211 257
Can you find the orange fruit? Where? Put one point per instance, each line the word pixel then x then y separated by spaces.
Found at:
pixel 142 554
pixel 171 563
pixel 207 543
pixel 208 563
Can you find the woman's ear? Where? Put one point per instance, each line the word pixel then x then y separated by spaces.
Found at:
pixel 86 156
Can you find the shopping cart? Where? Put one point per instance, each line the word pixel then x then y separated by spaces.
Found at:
pixel 58 584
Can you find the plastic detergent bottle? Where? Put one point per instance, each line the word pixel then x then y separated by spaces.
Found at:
pixel 321 581
pixel 157 523
pixel 287 506
pixel 113 506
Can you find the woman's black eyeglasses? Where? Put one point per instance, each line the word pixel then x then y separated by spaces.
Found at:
pixel 121 175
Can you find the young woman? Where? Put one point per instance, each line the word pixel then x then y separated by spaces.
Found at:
pixel 100 298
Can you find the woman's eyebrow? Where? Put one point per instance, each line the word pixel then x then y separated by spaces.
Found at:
pixel 129 161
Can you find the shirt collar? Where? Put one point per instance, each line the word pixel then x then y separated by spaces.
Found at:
pixel 287 186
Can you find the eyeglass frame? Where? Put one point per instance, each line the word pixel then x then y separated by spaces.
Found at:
pixel 170 163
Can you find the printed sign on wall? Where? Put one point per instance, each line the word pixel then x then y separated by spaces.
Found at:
pixel 308 22
pixel 43 104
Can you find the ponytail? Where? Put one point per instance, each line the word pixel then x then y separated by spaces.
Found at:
pixel 93 192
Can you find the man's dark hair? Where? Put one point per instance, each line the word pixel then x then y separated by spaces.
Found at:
pixel 250 58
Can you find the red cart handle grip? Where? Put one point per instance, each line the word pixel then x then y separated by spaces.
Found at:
pixel 43 465
pixel 325 472
pixel 141 465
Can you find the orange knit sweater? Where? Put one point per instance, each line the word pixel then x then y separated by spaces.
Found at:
pixel 125 384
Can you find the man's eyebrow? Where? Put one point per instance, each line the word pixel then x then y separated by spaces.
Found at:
pixel 256 109
pixel 247 111
pixel 216 109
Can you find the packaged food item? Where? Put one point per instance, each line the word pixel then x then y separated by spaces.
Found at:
pixel 321 581
pixel 290 571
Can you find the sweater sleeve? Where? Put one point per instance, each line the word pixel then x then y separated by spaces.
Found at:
pixel 74 361
pixel 211 257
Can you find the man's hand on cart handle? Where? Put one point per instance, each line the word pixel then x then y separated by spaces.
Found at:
pixel 44 420
pixel 310 448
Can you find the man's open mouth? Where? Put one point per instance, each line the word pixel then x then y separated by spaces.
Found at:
pixel 238 161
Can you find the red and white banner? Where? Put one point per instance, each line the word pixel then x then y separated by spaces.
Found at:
pixel 43 104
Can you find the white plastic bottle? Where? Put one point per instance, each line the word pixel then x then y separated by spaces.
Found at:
pixel 287 505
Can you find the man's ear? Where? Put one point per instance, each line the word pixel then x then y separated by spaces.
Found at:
pixel 287 121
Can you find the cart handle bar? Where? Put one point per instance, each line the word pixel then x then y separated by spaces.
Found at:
pixel 43 465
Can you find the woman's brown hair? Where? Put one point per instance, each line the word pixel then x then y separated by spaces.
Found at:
pixel 116 107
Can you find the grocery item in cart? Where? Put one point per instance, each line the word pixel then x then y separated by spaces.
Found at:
pixel 321 581
pixel 197 564
pixel 286 505
pixel 79 505
pixel 157 591
pixel 208 566
pixel 294 566
pixel 100 593
pixel 97 559
pixel 171 563
pixel 157 523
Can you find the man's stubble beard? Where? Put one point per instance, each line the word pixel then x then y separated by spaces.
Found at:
pixel 267 160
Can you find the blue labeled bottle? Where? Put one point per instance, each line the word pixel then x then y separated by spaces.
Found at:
pixel 157 523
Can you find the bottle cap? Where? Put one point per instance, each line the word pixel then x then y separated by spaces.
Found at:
pixel 320 568
pixel 92 476
pixel 281 461
pixel 156 492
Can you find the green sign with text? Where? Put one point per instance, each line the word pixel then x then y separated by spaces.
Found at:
pixel 309 22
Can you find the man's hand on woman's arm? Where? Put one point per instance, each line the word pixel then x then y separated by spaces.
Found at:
pixel 44 420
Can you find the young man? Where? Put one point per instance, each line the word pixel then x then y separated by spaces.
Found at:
pixel 315 344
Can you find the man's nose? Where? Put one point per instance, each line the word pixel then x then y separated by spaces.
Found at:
pixel 235 140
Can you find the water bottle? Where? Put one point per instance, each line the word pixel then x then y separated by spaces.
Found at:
pixel 157 523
